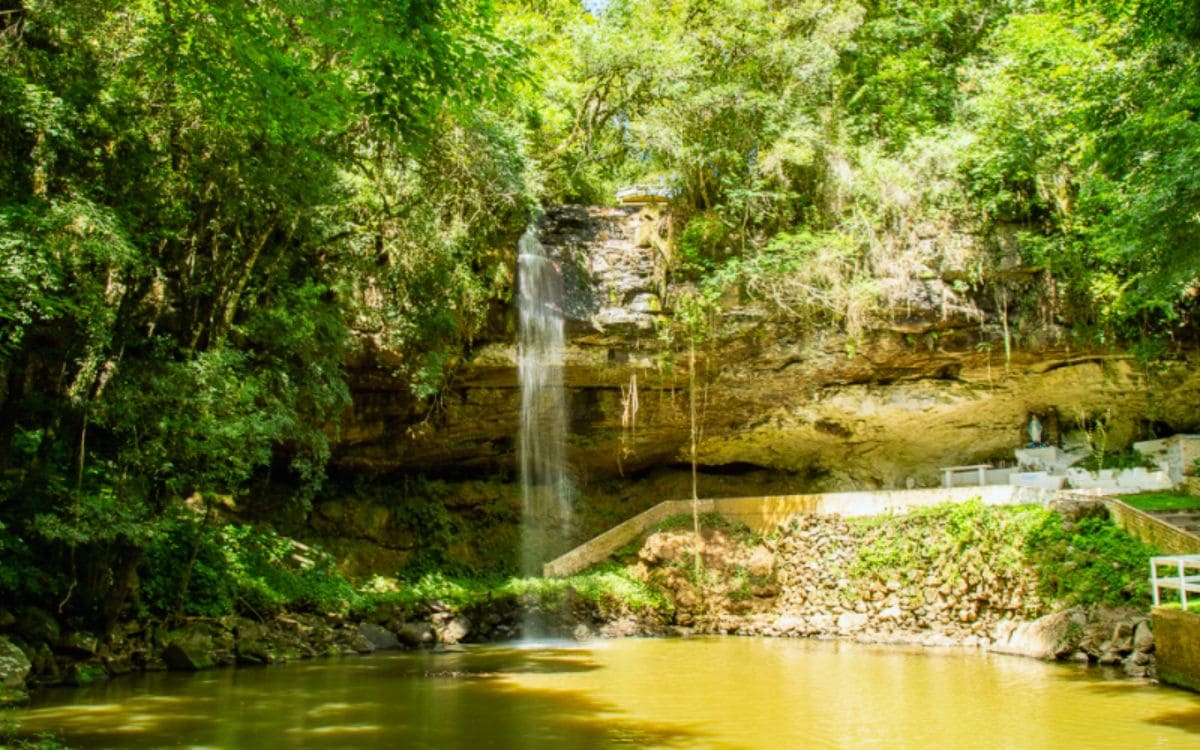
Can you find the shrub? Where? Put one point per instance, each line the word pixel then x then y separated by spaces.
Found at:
pixel 238 568
pixel 1091 562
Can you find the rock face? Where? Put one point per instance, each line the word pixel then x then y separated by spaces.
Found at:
pixel 923 386
pixel 14 668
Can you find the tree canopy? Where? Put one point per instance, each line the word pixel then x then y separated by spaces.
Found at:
pixel 208 207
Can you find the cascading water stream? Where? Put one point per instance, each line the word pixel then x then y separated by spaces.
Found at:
pixel 545 487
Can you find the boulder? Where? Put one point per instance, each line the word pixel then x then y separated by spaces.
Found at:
pixel 254 653
pixel 1143 637
pixel 189 649
pixel 36 625
pixel 14 668
pixel 453 630
pixel 761 563
pixel 851 621
pixel 788 625
pixel 416 634
pixel 80 644
pixel 379 638
pixel 187 657
pixel 1050 637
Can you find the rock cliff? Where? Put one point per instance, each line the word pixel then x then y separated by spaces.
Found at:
pixel 922 387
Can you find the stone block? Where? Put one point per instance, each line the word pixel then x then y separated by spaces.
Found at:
pixel 1177 646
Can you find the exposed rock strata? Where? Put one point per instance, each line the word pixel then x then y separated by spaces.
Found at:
pixel 924 386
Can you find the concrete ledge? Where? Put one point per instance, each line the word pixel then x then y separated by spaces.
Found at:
pixel 1177 646
pixel 762 514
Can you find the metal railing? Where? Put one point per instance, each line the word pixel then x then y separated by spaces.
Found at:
pixel 1180 564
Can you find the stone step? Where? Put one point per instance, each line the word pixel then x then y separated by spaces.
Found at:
pixel 1178 518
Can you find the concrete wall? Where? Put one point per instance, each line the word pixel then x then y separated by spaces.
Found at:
pixel 1177 646
pixel 1152 531
pixel 765 513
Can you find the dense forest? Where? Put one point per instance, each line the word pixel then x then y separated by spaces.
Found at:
pixel 207 206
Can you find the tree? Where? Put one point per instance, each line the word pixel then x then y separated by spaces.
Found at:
pixel 198 201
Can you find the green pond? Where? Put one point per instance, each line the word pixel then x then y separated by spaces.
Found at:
pixel 684 693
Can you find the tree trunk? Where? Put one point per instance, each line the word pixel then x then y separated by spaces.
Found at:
pixel 201 533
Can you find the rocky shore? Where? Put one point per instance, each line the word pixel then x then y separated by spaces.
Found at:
pixel 962 578
pixel 37 652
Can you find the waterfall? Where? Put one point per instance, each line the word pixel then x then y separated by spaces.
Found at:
pixel 545 487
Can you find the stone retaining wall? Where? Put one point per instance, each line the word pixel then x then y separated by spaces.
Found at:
pixel 762 514
pixel 1158 534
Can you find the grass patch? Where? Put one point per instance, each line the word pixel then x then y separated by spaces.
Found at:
pixel 1193 605
pixel 1162 501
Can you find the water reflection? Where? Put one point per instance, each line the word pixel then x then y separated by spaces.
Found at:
pixel 710 693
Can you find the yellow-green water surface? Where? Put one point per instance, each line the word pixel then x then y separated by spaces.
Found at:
pixel 684 693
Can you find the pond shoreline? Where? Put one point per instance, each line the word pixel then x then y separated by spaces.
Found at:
pixel 1101 636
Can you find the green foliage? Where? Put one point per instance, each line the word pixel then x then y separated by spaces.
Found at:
pixel 1092 562
pixel 198 204
pixel 877 131
pixel 1080 139
pixel 914 541
pixel 238 569
pixel 1126 459
pixel 712 521
pixel 704 242
pixel 608 585
pixel 905 69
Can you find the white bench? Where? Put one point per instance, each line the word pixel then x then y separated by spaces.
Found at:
pixel 948 473
pixel 1185 583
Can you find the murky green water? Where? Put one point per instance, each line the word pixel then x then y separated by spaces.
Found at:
pixel 694 693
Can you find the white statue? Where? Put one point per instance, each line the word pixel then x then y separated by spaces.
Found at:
pixel 1035 431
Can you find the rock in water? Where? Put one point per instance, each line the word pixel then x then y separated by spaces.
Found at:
pixel 187 656
pixel 453 630
pixel 416 634
pixel 1048 637
pixel 380 638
